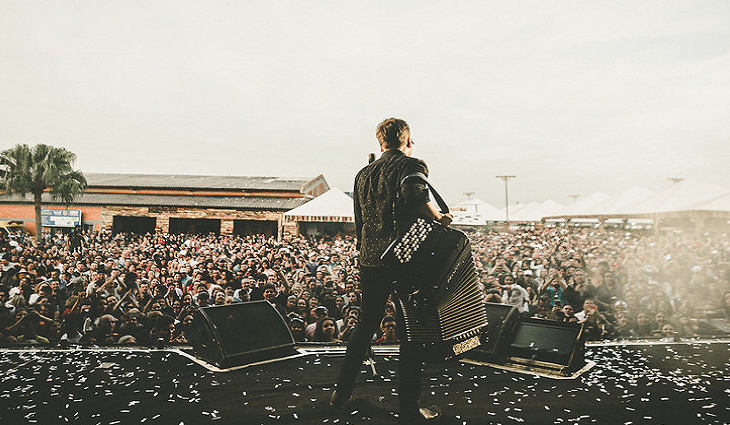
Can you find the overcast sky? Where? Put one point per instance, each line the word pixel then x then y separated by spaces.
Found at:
pixel 572 97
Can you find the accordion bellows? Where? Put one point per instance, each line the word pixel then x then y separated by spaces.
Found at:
pixel 437 286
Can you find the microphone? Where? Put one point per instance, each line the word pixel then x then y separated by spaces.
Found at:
pixel 371 158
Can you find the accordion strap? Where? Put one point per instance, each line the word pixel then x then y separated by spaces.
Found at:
pixel 436 196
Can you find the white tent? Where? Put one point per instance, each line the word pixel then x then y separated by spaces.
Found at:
pixel 474 206
pixel 523 212
pixel 333 205
pixel 689 198
pixel 549 207
pixel 721 203
pixel 584 206
pixel 474 212
pixel 621 202
pixel 686 195
pixel 534 211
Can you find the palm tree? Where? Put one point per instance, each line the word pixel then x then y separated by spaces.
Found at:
pixel 34 170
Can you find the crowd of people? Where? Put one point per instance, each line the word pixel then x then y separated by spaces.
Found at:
pixel 100 288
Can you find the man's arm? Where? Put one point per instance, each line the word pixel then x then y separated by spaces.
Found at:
pixel 284 284
pixel 358 216
pixel 430 212
pixel 119 303
pixel 415 193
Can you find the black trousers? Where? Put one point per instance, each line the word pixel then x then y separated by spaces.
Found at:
pixel 376 285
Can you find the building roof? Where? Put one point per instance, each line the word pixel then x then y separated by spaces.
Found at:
pixel 178 181
pixel 233 202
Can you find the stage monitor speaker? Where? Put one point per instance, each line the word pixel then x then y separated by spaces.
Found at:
pixel 501 322
pixel 502 319
pixel 548 344
pixel 713 327
pixel 239 334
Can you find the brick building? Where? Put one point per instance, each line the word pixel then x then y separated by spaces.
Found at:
pixel 142 203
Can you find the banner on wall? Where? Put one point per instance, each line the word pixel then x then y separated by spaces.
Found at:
pixel 60 218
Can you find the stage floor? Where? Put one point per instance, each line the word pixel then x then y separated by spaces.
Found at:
pixel 647 383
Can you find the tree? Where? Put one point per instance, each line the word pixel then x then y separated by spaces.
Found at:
pixel 34 170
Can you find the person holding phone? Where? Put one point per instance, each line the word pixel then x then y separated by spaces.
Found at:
pixel 514 294
pixel 589 308
pixel 554 287
pixel 596 326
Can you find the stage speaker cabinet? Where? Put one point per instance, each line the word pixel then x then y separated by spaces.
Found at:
pixel 713 327
pixel 239 334
pixel 553 346
pixel 502 319
pixel 501 322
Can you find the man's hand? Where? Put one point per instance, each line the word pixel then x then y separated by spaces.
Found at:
pixel 446 219
pixel 428 211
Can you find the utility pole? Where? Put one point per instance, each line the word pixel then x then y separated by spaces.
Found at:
pixel 506 196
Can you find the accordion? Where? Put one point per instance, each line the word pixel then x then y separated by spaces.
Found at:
pixel 437 287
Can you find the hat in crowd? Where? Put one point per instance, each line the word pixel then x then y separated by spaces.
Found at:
pixel 528 272
pixel 621 305
pixel 127 339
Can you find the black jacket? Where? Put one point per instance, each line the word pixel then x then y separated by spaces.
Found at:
pixel 379 211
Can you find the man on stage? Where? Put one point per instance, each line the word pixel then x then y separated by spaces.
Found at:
pixel 379 213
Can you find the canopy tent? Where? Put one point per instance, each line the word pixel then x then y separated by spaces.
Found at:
pixel 585 206
pixel 690 198
pixel 691 202
pixel 623 201
pixel 520 212
pixel 601 205
pixel 721 203
pixel 687 195
pixel 535 211
pixel 474 212
pixel 330 213
pixel 332 206
pixel 549 207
